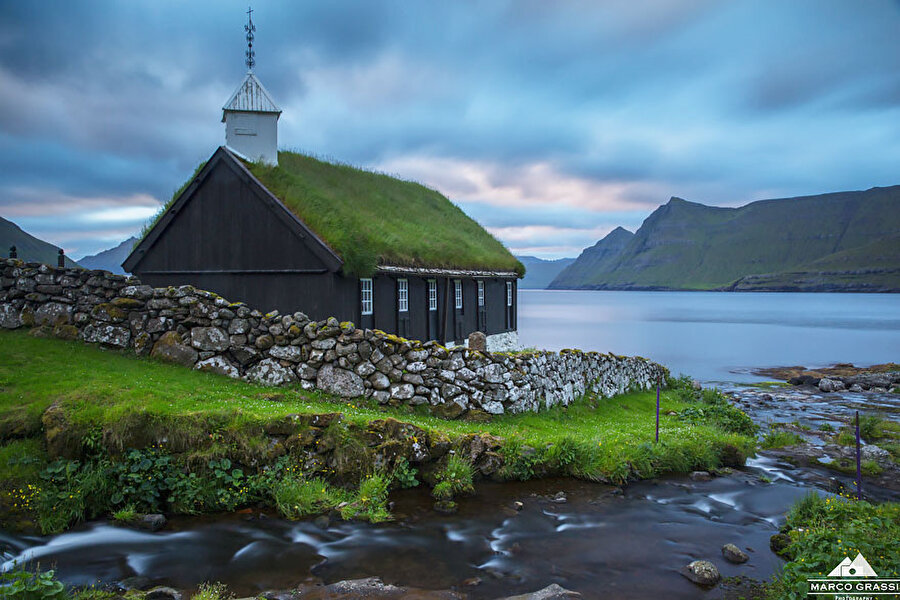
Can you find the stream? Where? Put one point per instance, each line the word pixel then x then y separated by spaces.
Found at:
pixel 600 540
pixel 631 542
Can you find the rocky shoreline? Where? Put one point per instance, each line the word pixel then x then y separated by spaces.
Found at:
pixel 880 378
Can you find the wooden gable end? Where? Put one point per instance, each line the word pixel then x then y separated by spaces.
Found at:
pixel 226 221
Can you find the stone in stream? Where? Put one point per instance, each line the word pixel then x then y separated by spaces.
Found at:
pixel 734 554
pixel 138 582
pixel 551 592
pixel 830 385
pixel 701 476
pixel 163 593
pixel 701 572
pixel 151 522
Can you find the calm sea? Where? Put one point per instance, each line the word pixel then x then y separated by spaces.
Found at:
pixel 715 336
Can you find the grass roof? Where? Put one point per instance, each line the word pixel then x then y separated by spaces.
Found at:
pixel 373 219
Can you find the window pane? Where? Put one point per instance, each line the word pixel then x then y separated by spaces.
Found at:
pixel 457 284
pixel 402 295
pixel 365 287
pixel 432 294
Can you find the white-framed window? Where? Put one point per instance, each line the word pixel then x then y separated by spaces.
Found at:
pixel 365 296
pixel 432 294
pixel 402 295
pixel 509 293
pixel 457 292
pixel 480 293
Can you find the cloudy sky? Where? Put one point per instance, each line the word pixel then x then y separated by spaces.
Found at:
pixel 549 122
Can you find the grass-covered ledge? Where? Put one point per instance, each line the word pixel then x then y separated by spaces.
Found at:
pixel 75 419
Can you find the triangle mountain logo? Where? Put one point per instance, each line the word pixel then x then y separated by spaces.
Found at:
pixel 858 567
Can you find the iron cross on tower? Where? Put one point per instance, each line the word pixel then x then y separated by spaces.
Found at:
pixel 250 28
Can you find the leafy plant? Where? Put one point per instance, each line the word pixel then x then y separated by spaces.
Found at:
pixel 142 477
pixel 824 531
pixel 22 584
pixel 404 474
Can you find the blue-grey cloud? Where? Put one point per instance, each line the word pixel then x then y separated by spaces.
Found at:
pixel 548 120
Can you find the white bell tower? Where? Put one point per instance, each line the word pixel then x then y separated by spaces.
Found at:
pixel 250 115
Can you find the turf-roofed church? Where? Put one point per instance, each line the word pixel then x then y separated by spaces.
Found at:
pixel 285 231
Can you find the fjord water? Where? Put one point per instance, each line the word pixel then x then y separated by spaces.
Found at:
pixel 716 336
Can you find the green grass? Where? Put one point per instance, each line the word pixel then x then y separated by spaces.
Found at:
pixel 296 497
pixel 104 388
pixel 371 218
pixel 780 439
pixel 824 531
pixel 110 408
pixel 212 591
pixel 125 515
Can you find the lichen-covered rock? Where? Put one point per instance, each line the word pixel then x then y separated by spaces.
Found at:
pixel 9 316
pixel 108 335
pixel 339 382
pixel 108 312
pixel 209 339
pixel 218 365
pixel 701 572
pixel 142 343
pixel 140 292
pixel 244 354
pixel 53 313
pixel 170 349
pixel 551 592
pixel 403 391
pixel 288 353
pixel 270 372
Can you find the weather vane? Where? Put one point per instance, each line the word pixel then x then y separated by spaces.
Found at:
pixel 250 28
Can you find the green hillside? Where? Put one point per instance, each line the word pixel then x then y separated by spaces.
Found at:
pixel 843 241
pixel 539 272
pixel 370 218
pixel 29 248
pixel 599 258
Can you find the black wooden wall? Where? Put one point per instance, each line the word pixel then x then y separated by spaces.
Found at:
pixel 229 237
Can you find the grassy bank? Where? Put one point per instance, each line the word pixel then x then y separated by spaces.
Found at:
pixel 822 532
pixel 86 432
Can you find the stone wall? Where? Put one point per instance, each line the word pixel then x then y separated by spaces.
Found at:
pixel 203 331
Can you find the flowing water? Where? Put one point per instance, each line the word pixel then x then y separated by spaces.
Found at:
pixel 602 541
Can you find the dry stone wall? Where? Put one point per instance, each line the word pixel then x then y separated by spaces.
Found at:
pixel 200 330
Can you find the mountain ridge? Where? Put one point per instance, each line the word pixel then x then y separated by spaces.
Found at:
pixel 28 247
pixel 840 241
pixel 110 259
